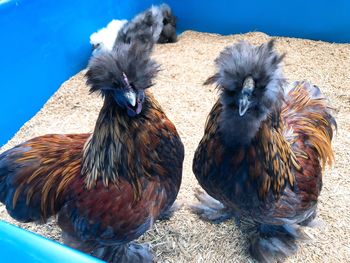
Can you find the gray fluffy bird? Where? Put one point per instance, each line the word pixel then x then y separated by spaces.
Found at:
pixel 156 24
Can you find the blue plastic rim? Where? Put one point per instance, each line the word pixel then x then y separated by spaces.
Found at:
pixel 18 245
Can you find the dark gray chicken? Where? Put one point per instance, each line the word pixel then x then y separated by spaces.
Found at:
pixel 156 24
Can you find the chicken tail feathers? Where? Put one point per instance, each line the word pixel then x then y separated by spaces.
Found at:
pixel 35 175
pixel 271 243
pixel 8 190
pixel 308 112
pixel 3 173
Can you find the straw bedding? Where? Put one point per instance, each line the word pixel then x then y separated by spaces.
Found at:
pixel 185 66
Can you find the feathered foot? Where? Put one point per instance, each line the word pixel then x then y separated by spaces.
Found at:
pixel 313 222
pixel 76 243
pixel 128 253
pixel 271 243
pixel 308 221
pixel 210 209
pixel 166 215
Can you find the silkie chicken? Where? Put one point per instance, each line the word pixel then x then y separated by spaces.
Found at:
pixel 106 188
pixel 157 21
pixel 263 150
pixel 156 25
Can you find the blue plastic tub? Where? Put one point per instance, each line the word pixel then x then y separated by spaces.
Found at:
pixel 44 42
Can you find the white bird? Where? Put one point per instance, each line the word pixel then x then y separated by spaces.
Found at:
pixel 104 38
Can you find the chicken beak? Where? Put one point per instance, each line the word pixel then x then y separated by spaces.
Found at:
pixel 247 90
pixel 130 96
pixel 243 106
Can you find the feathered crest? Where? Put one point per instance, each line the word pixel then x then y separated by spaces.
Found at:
pixel 240 60
pixel 235 64
pixel 107 70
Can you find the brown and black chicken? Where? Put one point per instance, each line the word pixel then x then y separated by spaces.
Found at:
pixel 106 188
pixel 264 148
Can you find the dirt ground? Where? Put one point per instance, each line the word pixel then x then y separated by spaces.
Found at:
pixel 185 66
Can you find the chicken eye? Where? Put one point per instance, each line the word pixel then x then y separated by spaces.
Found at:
pixel 116 84
pixel 230 92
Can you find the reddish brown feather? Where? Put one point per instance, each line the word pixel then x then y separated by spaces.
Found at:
pixel 55 161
